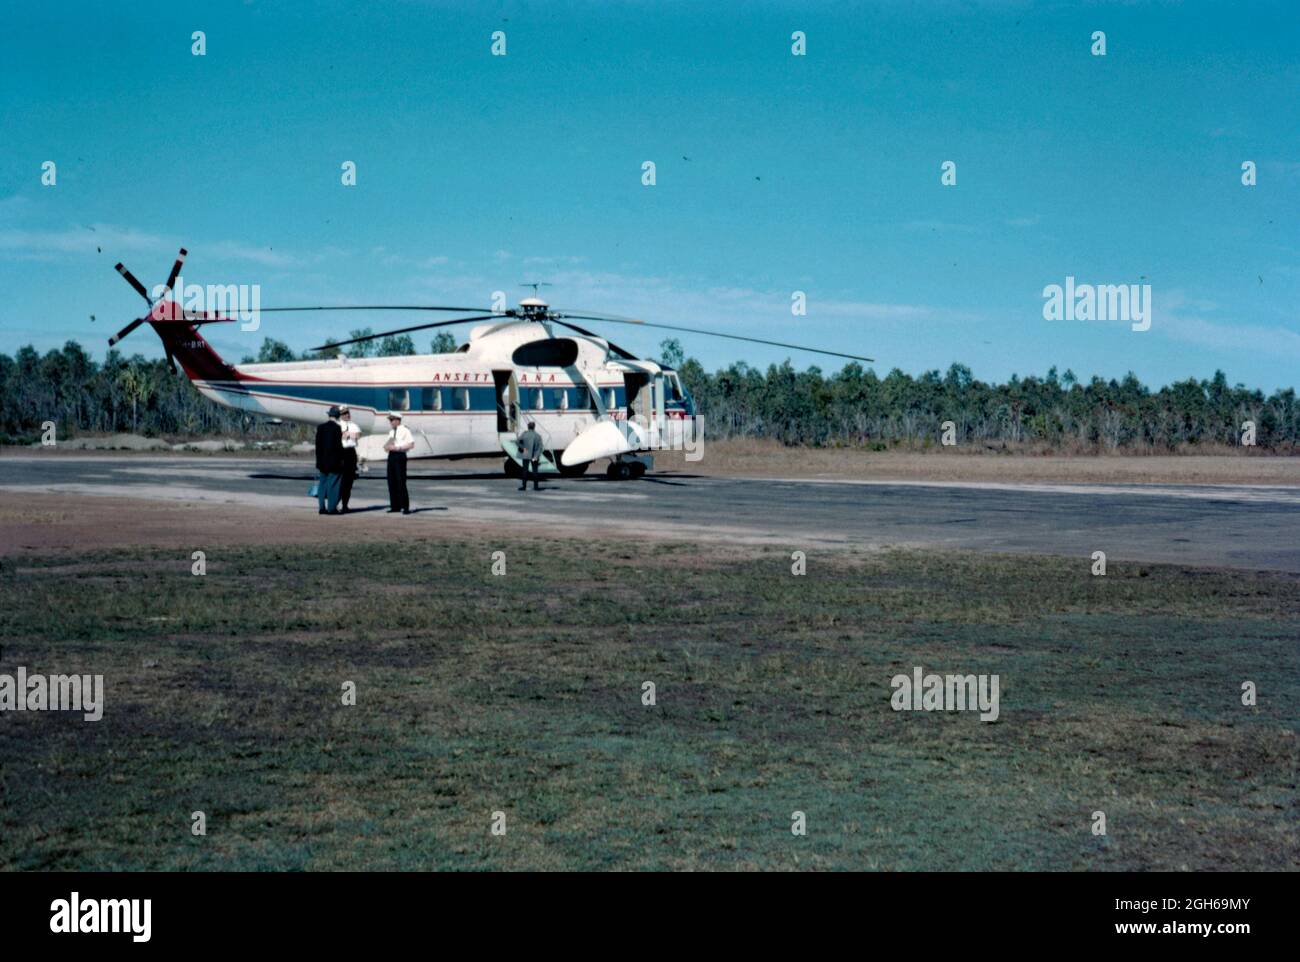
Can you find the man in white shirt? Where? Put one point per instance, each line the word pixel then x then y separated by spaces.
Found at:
pixel 351 435
pixel 400 440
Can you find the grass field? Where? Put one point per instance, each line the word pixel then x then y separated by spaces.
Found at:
pixel 522 694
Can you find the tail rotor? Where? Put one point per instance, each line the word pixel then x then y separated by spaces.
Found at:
pixel 162 309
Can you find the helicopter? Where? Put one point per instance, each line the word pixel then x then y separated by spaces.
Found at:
pixel 589 398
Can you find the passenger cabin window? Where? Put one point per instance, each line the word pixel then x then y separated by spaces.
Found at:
pixel 539 401
pixel 559 399
pixel 399 399
pixel 462 399
pixel 610 400
pixel 431 399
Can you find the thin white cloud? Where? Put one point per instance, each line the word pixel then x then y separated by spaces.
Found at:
pixel 265 256
pixel 1253 339
pixel 413 262
pixel 13 207
pixel 558 261
pixel 682 300
pixel 1182 317
pixel 1283 169
pixel 117 241
pixel 77 240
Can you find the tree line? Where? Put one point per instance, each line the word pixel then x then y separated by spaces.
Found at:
pixel 851 407
pixel 857 407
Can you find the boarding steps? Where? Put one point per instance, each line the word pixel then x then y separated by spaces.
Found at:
pixel 510 445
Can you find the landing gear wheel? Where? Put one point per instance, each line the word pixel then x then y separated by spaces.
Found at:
pixel 513 470
pixel 638 469
pixel 618 471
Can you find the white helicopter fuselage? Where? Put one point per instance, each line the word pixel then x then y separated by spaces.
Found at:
pixel 590 399
pixel 461 404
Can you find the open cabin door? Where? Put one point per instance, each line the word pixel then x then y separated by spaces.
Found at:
pixel 507 393
pixel 658 410
pixel 634 386
pixel 511 422
pixel 645 403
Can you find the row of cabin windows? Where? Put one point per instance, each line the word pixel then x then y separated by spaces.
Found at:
pixel 441 399
pixel 559 399
pixel 484 398
pixel 568 398
pixel 438 399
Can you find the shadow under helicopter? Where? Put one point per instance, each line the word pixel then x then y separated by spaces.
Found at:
pixel 677 480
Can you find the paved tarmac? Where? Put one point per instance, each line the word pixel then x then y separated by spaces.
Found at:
pixel 1219 525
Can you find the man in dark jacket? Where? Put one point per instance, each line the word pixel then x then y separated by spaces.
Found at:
pixel 329 462
pixel 530 453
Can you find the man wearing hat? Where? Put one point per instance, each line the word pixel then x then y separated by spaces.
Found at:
pixel 329 462
pixel 530 453
pixel 399 442
pixel 351 435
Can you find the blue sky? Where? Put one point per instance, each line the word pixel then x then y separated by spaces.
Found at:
pixel 818 173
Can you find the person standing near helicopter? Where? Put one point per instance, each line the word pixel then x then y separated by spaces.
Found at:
pixel 400 440
pixel 351 435
pixel 530 453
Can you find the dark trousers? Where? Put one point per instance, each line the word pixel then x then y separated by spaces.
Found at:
pixel 349 475
pixel 537 477
pixel 397 497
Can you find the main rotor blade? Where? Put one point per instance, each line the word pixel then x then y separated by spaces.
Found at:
pixel 176 269
pixel 407 330
pixel 130 279
pixel 624 354
pixel 376 307
pixel 733 337
pixel 589 316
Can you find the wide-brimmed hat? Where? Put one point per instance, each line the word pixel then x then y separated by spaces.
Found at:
pixel 334 412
